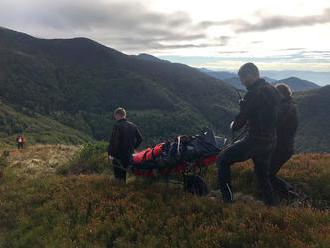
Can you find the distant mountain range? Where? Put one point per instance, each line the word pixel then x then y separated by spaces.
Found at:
pixel 218 74
pixel 64 90
pixel 320 78
pixel 79 82
pixel 295 83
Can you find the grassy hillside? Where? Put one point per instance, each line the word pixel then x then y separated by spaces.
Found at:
pixel 314 134
pixel 37 128
pixel 45 209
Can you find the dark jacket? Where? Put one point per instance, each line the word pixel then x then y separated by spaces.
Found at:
pixel 287 125
pixel 124 139
pixel 259 110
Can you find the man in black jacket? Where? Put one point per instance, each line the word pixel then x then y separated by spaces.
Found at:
pixel 286 132
pixel 258 112
pixel 125 138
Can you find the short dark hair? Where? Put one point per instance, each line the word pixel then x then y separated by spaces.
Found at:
pixel 248 69
pixel 284 90
pixel 120 111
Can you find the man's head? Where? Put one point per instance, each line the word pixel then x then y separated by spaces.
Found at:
pixel 285 90
pixel 119 113
pixel 248 74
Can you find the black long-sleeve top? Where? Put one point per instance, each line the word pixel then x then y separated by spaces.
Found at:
pixel 287 124
pixel 259 110
pixel 124 139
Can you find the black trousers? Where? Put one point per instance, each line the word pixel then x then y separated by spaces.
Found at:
pixel 20 145
pixel 119 168
pixel 260 151
pixel 279 158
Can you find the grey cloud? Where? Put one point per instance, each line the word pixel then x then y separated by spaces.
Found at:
pixel 133 43
pixel 85 14
pixel 308 56
pixel 201 45
pixel 224 40
pixel 320 52
pixel 276 22
pixel 126 25
pixel 232 52
pixel 207 24
pixel 272 22
pixel 292 49
pixel 257 42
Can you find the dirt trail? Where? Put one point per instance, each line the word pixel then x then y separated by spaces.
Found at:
pixel 39 159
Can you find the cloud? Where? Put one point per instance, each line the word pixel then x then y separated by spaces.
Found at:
pixel 122 24
pixel 272 22
pixel 292 49
pixel 125 16
pixel 257 42
pixel 231 52
pixel 224 40
pixel 133 44
pixel 320 52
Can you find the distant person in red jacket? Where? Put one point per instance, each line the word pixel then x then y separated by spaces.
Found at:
pixel 124 139
pixel 20 141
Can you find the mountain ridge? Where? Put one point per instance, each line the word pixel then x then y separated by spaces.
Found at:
pixel 295 83
pixel 298 84
pixel 56 76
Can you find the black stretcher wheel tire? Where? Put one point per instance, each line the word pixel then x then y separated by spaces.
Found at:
pixel 196 185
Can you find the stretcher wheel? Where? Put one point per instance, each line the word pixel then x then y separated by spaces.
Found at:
pixel 195 185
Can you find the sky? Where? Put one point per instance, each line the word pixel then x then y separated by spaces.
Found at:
pixel 276 34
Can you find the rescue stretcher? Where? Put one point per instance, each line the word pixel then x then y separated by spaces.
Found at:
pixel 186 159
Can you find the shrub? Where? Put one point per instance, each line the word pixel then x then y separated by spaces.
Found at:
pixel 4 159
pixel 91 159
